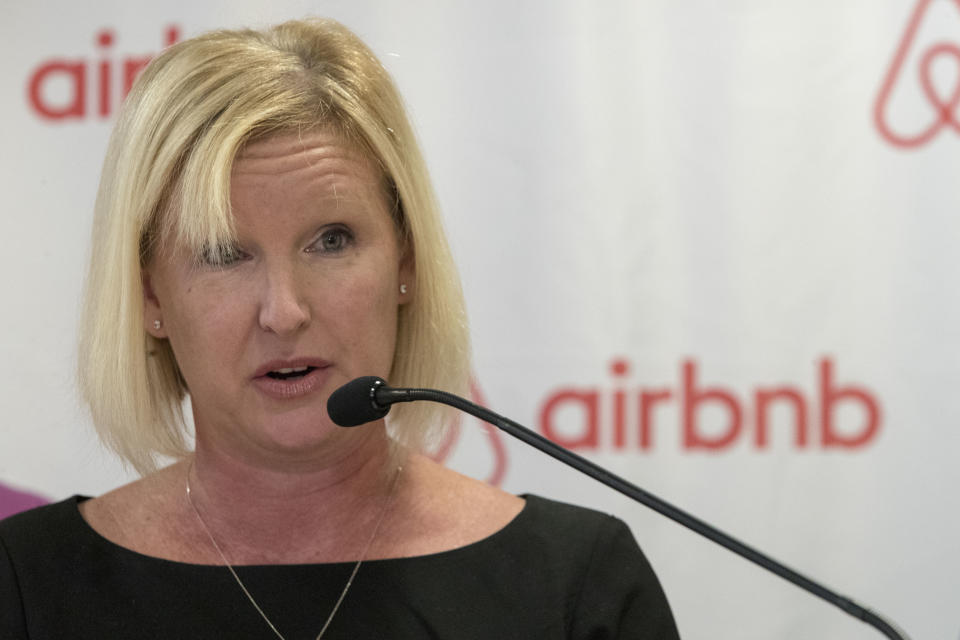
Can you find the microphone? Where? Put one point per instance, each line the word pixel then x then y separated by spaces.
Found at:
pixel 369 398
pixel 355 403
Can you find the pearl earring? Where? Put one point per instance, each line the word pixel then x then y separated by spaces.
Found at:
pixel 157 324
pixel 403 289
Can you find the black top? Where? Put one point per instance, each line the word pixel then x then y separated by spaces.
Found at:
pixel 555 571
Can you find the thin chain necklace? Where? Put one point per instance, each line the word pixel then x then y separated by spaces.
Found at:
pixel 343 594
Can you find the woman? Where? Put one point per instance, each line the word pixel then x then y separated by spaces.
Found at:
pixel 265 232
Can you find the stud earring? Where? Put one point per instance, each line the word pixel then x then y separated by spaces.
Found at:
pixel 157 324
pixel 403 289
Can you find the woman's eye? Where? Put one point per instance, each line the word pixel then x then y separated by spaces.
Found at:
pixel 333 240
pixel 220 256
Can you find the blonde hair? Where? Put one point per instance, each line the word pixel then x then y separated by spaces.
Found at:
pixel 167 175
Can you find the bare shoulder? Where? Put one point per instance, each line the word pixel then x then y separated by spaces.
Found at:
pixel 139 515
pixel 441 509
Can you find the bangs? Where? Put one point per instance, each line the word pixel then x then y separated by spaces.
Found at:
pixel 195 217
pixel 198 218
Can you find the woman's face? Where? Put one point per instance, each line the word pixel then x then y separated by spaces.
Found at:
pixel 305 302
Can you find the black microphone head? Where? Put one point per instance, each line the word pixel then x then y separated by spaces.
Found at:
pixel 355 403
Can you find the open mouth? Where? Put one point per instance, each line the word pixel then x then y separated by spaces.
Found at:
pixel 291 373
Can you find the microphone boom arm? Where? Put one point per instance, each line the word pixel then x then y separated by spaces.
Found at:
pixel 384 396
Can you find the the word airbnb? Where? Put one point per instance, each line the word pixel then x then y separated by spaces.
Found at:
pixel 712 417
pixel 58 88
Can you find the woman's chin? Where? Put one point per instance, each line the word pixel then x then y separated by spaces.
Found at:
pixel 310 440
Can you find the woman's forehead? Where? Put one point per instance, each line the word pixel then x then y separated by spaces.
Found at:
pixel 295 150
pixel 316 166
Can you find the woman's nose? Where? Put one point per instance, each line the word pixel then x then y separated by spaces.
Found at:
pixel 284 308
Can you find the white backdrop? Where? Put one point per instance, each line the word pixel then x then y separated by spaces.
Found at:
pixel 709 245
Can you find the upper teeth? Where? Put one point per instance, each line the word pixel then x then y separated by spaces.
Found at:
pixel 292 369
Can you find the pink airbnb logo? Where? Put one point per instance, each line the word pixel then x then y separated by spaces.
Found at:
pixel 944 106
pixel 109 77
pixel 495 439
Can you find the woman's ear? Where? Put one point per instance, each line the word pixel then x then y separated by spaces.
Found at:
pixel 152 315
pixel 406 276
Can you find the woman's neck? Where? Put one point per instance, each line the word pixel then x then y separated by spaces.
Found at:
pixel 263 513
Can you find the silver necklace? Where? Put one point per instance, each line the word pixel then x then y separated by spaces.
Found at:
pixel 343 594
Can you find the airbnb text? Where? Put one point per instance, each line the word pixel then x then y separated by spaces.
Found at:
pixel 58 88
pixel 838 415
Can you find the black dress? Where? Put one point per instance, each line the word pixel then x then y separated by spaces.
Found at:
pixel 555 571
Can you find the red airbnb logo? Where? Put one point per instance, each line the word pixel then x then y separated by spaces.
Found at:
pixel 635 417
pixel 834 415
pixel 499 451
pixel 58 88
pixel 944 107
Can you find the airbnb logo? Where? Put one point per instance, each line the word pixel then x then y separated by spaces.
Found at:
pixel 710 417
pixel 572 416
pixel 944 104
pixel 498 451
pixel 58 88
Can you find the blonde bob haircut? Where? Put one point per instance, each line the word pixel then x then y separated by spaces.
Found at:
pixel 167 176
